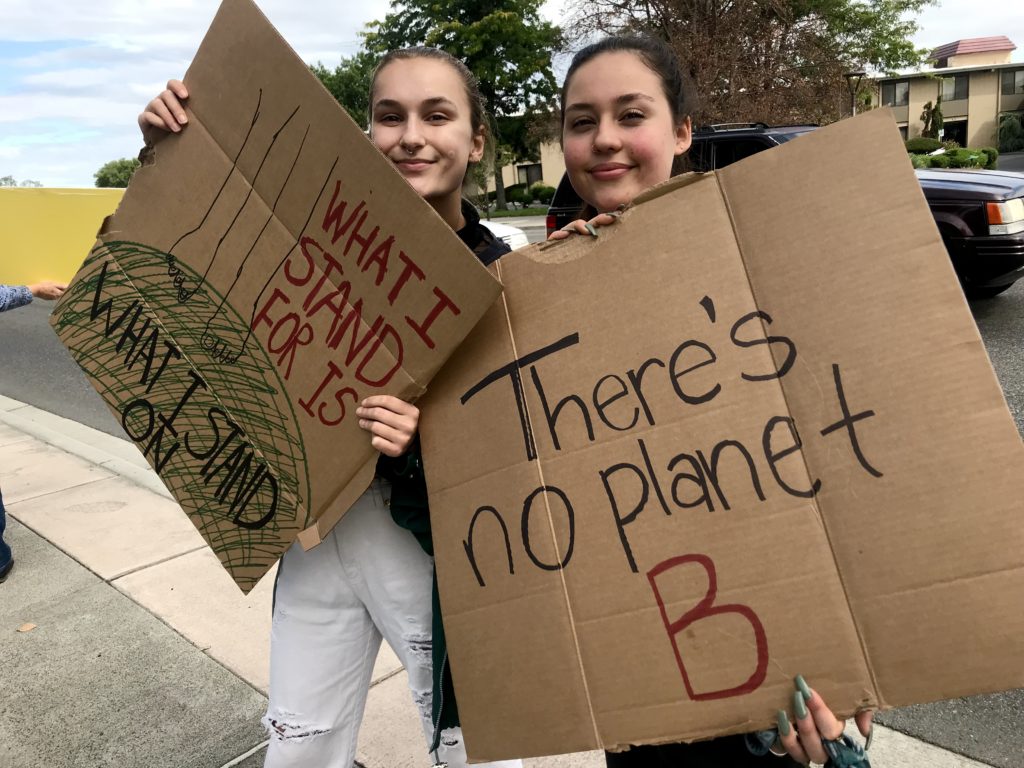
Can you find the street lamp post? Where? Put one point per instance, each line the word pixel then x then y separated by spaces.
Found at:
pixel 853 83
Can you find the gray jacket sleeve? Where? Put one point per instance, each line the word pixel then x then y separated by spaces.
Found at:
pixel 14 296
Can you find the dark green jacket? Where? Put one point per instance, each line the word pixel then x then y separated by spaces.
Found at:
pixel 409 501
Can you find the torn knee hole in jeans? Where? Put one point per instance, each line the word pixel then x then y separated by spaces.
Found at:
pixel 287 726
pixel 423 701
pixel 421 645
pixel 449 737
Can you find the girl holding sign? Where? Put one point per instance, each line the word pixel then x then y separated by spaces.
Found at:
pixel 626 108
pixel 372 575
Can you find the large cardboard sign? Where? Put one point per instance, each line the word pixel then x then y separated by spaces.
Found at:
pixel 45 231
pixel 266 271
pixel 748 432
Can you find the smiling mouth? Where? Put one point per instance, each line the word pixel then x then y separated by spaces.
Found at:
pixel 413 164
pixel 609 171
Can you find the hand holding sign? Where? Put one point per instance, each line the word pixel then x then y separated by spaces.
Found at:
pixel 391 421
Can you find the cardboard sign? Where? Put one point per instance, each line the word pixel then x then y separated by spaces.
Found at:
pixel 266 271
pixel 45 231
pixel 748 432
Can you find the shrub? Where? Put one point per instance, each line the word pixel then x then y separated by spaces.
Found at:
pixel 939 161
pixel 1011 133
pixel 920 161
pixel 520 196
pixel 993 156
pixel 922 146
pixel 950 145
pixel 542 192
pixel 492 195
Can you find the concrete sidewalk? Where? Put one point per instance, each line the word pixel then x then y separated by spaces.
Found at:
pixel 124 643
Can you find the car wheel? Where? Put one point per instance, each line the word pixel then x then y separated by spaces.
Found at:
pixel 985 293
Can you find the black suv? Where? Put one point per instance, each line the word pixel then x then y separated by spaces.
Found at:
pixel 980 214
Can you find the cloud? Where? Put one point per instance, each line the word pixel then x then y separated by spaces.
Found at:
pixel 951 20
pixel 76 75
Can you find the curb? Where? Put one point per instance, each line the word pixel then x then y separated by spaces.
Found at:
pixel 114 454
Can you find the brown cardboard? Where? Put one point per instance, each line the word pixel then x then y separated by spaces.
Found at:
pixel 266 270
pixel 807 284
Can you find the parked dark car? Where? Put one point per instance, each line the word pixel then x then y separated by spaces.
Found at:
pixel 980 214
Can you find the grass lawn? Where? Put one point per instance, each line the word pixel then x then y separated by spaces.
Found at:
pixel 515 212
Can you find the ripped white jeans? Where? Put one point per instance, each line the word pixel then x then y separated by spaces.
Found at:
pixel 368 579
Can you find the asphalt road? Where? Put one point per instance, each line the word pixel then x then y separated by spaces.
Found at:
pixel 35 368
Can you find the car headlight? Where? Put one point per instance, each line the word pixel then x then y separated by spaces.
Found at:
pixel 1005 218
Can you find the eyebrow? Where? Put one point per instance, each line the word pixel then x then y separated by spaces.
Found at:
pixel 434 101
pixel 623 99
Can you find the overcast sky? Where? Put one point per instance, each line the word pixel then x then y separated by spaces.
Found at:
pixel 74 75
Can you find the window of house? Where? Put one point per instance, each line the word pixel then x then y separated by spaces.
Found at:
pixel 896 93
pixel 530 174
pixel 955 88
pixel 1013 82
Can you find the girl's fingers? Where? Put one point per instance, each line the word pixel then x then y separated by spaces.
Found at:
pixel 581 227
pixel 807 730
pixel 789 739
pixel 604 219
pixel 178 88
pixel 156 119
pixel 863 720
pixel 406 419
pixel 828 726
pixel 405 429
pixel 386 447
pixel 165 113
pixel 391 403
pixel 168 107
pixel 390 434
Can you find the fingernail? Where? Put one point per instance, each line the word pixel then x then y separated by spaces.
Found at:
pixel 182 119
pixel 799 706
pixel 868 738
pixel 803 687
pixel 783 721
pixel 591 229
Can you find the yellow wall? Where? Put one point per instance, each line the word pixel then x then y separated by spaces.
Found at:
pixel 922 90
pixel 982 130
pixel 552 166
pixel 553 162
pixel 979 59
pixel 45 234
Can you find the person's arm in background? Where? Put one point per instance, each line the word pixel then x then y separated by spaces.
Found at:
pixel 14 296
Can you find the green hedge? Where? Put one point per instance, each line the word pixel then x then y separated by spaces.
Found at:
pixel 542 193
pixel 985 157
pixel 922 146
pixel 1011 132
pixel 508 191
pixel 520 194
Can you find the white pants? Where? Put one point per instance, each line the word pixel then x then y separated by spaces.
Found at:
pixel 369 578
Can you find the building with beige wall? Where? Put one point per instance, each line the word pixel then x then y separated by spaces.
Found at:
pixel 977 82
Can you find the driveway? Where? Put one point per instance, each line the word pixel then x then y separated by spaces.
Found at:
pixel 1011 161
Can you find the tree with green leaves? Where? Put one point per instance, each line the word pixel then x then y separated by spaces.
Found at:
pixel 116 173
pixel 504 43
pixel 1011 132
pixel 349 83
pixel 10 181
pixel 774 61
pixel 931 116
